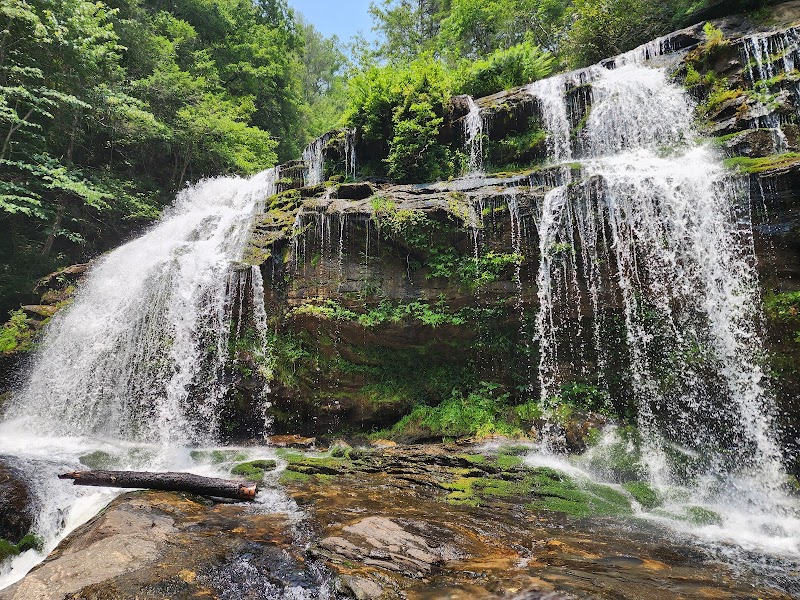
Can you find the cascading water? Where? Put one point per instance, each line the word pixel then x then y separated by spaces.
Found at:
pixel 555 117
pixel 132 371
pixel 350 157
pixel 314 159
pixel 473 136
pixel 767 59
pixel 672 230
pixel 130 358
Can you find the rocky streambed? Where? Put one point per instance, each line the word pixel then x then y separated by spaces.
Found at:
pixel 419 522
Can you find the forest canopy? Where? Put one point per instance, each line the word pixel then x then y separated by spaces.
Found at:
pixel 108 107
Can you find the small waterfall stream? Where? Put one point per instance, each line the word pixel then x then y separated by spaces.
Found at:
pixel 473 135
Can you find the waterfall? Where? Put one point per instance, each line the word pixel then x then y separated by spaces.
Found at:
pixel 314 160
pixel 555 117
pixel 140 353
pixel 473 136
pixel 350 158
pixel 766 59
pixel 132 372
pixel 674 228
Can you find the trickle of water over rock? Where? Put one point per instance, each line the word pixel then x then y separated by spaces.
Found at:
pixel 473 136
pixel 314 160
pixel 767 58
pixel 555 117
pixel 140 353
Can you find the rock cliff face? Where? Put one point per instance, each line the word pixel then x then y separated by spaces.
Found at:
pixel 382 296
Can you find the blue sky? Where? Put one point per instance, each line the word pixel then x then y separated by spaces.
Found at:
pixel 344 18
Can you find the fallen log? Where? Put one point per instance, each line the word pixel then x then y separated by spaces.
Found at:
pixel 169 482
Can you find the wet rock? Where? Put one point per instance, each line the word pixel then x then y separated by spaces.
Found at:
pixel 755 143
pixel 359 588
pixel 156 545
pixel 354 191
pixel 292 441
pixel 40 310
pixel 127 538
pixel 385 543
pixel 383 443
pixel 16 503
pixel 70 274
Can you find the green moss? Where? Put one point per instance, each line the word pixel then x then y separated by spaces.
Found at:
pixel 643 493
pixel 702 516
pixel 507 461
pixel 217 457
pixel 526 147
pixel 748 165
pixel 7 549
pixel 289 477
pixel 783 306
pixel 31 542
pixel 619 458
pixel 588 499
pixel 552 491
pixel 255 470
pixel 475 459
pixel 284 201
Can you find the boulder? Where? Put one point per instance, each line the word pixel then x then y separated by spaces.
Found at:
pixel 16 503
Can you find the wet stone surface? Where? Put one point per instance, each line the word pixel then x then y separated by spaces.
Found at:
pixel 378 524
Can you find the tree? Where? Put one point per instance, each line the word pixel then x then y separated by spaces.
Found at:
pixel 324 80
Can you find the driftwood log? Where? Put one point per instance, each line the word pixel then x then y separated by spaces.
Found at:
pixel 169 482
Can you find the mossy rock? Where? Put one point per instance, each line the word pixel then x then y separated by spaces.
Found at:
pixel 99 460
pixel 774 162
pixel 30 542
pixel 217 457
pixel 697 515
pixel 255 470
pixel 643 493
pixel 553 492
pixel 7 549
pixel 326 465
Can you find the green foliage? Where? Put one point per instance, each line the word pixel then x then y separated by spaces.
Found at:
pixel 604 28
pixel 714 37
pixel 480 413
pixel 401 110
pixel 518 149
pixel 583 396
pixel 106 112
pixel 783 306
pixel 504 69
pixel 693 77
pixel 16 335
pixel 385 312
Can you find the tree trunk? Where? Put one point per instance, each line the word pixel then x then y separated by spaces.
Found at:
pixel 169 482
pixel 51 238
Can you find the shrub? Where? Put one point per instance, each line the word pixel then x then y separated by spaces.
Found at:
pixel 504 69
